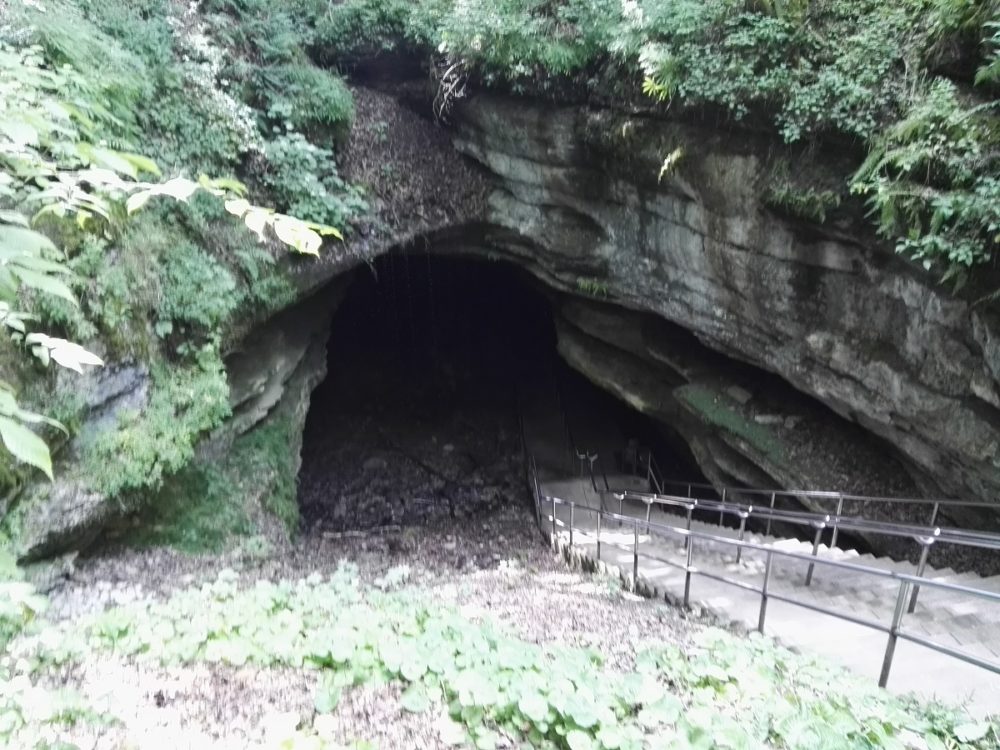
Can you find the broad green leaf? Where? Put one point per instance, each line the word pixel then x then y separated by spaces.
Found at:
pixel 137 200
pixel 297 235
pixel 577 740
pixel 44 283
pixel 141 163
pixel 23 240
pixel 415 699
pixel 226 184
pixel 237 206
pixel 115 161
pixel 611 738
pixel 451 732
pixel 534 706
pixel 327 698
pixel 20 132
pixel 486 739
pixel 256 222
pixel 972 732
pixel 25 445
pixel 413 668
pixel 65 353
pixel 13 217
pixel 179 188
pixel 42 265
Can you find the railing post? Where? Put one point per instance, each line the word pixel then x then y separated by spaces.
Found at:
pixel 572 513
pixel 635 557
pixel 722 512
pixel 552 534
pixel 538 492
pixel 743 527
pixel 923 562
pixel 836 523
pixel 763 593
pixel 649 507
pixel 934 514
pixel 687 539
pixel 600 515
pixel 816 540
pixel 920 573
pixel 687 570
pixel 767 532
pixel 890 647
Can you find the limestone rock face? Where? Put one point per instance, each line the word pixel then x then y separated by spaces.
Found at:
pixel 64 514
pixel 827 308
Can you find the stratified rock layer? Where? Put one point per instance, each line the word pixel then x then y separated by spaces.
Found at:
pixel 827 308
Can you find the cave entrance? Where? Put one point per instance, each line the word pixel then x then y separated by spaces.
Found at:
pixel 428 358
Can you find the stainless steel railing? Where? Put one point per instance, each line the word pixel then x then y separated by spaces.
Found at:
pixel 894 628
pixel 924 536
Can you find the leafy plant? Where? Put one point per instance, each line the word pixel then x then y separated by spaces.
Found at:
pixel 307 99
pixel 303 178
pixel 147 446
pixel 592 287
pixel 803 203
pixel 52 124
pixel 931 180
pixel 481 683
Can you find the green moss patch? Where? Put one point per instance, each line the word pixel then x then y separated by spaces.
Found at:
pixel 718 410
pixel 209 504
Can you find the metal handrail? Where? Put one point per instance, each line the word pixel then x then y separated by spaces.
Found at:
pixel 827 495
pixel 961 537
pixel 653 473
pixel 924 536
pixel 894 630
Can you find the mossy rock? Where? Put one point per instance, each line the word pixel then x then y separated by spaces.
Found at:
pixel 718 410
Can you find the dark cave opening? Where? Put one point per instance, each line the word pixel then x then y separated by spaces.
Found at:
pixel 418 416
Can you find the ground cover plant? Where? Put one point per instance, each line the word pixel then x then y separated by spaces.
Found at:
pixel 481 686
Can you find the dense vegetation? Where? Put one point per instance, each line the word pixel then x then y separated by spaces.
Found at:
pixel 139 140
pixel 474 680
pixel 910 83
pixel 106 105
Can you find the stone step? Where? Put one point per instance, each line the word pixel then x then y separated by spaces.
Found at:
pixel 949 618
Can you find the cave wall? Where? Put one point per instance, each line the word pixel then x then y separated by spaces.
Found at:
pixel 573 194
pixel 826 307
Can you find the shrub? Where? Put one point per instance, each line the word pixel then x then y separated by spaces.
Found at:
pixel 307 99
pixel 931 180
pixel 367 28
pixel 197 290
pixel 304 181
pixel 187 130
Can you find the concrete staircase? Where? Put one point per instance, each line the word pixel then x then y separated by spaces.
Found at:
pixel 949 618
